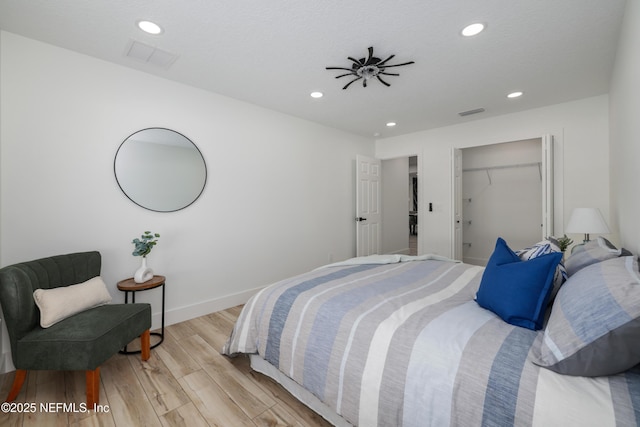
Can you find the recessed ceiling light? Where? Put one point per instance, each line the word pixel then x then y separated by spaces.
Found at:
pixel 149 27
pixel 515 94
pixel 391 124
pixel 317 94
pixel 473 29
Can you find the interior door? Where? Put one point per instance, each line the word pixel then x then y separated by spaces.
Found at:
pixel 368 226
pixel 456 159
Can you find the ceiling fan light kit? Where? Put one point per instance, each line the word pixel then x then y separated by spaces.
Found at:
pixel 368 68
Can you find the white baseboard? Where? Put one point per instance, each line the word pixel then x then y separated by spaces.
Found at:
pixel 189 312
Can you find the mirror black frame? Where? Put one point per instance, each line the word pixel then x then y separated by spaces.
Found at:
pixel 181 206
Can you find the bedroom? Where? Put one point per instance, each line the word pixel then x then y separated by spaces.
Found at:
pixel 59 194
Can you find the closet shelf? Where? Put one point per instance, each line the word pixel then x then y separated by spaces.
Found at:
pixel 519 165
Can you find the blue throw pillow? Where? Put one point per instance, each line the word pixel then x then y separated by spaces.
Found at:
pixel 542 248
pixel 516 290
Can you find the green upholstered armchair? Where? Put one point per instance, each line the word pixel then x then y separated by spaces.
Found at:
pixel 82 341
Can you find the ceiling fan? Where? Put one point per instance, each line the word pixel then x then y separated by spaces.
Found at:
pixel 367 68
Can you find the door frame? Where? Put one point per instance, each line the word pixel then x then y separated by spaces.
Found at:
pixel 421 197
pixel 552 188
pixel 456 204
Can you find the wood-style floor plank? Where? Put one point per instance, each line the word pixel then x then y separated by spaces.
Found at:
pixel 180 330
pixel 176 358
pixel 302 413
pixel 128 402
pixel 186 382
pixel 184 416
pixel 213 403
pixel 162 389
pixel 246 395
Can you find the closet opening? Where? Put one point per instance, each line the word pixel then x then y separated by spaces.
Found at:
pixel 503 193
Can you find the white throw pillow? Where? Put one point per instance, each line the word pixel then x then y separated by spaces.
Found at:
pixel 59 303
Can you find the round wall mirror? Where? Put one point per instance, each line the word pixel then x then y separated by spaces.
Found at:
pixel 160 169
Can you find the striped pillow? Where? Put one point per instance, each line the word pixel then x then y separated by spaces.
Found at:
pixel 542 248
pixel 594 327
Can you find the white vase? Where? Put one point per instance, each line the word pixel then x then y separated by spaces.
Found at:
pixel 144 273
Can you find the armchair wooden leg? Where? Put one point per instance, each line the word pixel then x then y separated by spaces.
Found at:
pixel 18 380
pixel 93 388
pixel 145 345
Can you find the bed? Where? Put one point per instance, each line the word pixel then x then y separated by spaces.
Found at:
pixel 404 341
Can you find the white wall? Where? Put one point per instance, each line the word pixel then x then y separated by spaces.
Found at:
pixel 625 131
pixel 279 199
pixel 581 132
pixel 395 211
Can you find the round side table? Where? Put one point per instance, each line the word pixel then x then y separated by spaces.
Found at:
pixel 129 285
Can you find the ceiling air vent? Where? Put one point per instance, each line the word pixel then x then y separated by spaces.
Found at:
pixel 149 54
pixel 470 112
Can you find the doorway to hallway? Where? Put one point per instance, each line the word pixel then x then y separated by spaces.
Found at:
pixel 400 206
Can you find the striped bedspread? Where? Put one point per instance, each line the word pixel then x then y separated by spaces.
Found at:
pixel 405 344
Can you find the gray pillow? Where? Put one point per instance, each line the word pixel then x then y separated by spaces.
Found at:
pixel 594 327
pixel 590 253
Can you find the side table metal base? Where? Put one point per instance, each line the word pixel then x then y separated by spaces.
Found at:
pixel 157 334
pixel 129 285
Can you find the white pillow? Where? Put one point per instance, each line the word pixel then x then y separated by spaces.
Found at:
pixel 59 303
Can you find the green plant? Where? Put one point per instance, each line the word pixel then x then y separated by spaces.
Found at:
pixel 564 242
pixel 145 243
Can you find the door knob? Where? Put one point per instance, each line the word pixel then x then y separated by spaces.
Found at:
pixel 361 219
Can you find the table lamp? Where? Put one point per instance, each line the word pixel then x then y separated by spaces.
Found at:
pixel 587 221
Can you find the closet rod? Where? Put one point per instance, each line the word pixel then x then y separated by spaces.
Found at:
pixel 487 168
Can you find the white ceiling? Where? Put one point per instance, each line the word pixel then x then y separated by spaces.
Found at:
pixel 273 53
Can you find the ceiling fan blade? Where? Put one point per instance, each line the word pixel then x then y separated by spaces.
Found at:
pixel 382 81
pixel 347 85
pixel 383 62
pixel 338 68
pixel 398 65
pixel 368 61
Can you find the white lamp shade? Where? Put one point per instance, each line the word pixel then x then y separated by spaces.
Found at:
pixel 587 221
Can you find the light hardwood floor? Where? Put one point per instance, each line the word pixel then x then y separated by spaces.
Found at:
pixel 413 244
pixel 186 382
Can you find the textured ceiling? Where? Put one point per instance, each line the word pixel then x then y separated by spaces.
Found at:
pixel 273 53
